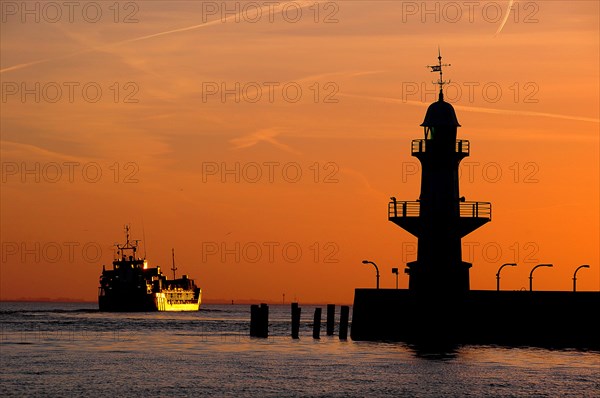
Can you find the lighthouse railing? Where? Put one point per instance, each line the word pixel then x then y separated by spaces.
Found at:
pixel 476 209
pixel 403 209
pixel 413 209
pixel 420 146
pixel 463 146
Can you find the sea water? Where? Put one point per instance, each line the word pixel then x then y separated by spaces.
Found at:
pixel 72 349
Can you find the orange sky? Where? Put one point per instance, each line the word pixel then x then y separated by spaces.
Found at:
pixel 532 115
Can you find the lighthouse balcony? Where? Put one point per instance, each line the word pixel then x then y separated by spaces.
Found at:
pixel 406 214
pixel 420 146
pixel 398 209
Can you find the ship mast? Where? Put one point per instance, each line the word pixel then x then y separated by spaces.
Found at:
pixel 129 245
pixel 173 268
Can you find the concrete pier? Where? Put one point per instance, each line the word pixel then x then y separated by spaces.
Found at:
pixel 546 319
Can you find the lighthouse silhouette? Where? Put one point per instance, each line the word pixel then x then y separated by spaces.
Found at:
pixel 440 218
pixel 439 310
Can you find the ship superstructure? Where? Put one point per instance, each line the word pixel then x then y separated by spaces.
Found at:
pixel 134 286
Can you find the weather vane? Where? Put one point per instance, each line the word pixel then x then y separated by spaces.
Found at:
pixel 438 68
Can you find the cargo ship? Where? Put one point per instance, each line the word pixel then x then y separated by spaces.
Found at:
pixel 134 286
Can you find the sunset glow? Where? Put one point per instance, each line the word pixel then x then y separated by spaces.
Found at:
pixel 263 141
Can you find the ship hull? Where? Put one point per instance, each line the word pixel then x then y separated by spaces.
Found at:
pixel 126 303
pixel 147 303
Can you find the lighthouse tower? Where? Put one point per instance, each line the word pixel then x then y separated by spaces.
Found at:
pixel 440 217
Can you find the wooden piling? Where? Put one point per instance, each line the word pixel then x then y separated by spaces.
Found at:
pixel 317 324
pixel 254 315
pixel 344 316
pixel 259 320
pixel 295 320
pixel 330 319
pixel 264 321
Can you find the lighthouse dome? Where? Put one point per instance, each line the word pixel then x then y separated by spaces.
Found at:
pixel 440 114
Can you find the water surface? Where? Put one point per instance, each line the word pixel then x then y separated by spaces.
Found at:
pixel 61 349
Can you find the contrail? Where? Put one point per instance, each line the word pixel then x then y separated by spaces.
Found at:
pixel 301 4
pixel 105 46
pixel 252 92
pixel 510 3
pixel 478 109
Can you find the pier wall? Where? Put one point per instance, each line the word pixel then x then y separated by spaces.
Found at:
pixel 541 318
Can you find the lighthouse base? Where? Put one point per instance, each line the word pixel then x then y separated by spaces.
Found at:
pixel 513 318
pixel 439 279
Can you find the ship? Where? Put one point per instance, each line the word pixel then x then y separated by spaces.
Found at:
pixel 132 286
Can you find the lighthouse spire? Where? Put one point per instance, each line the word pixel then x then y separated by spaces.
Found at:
pixel 439 68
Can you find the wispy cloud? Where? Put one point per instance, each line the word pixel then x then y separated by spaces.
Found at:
pixel 271 7
pixel 264 135
pixel 16 150
pixel 477 109
pixel 364 182
pixel 508 9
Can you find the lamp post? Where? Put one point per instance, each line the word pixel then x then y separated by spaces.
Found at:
pixel 575 276
pixel 376 269
pixel 498 274
pixel 531 274
pixel 395 271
